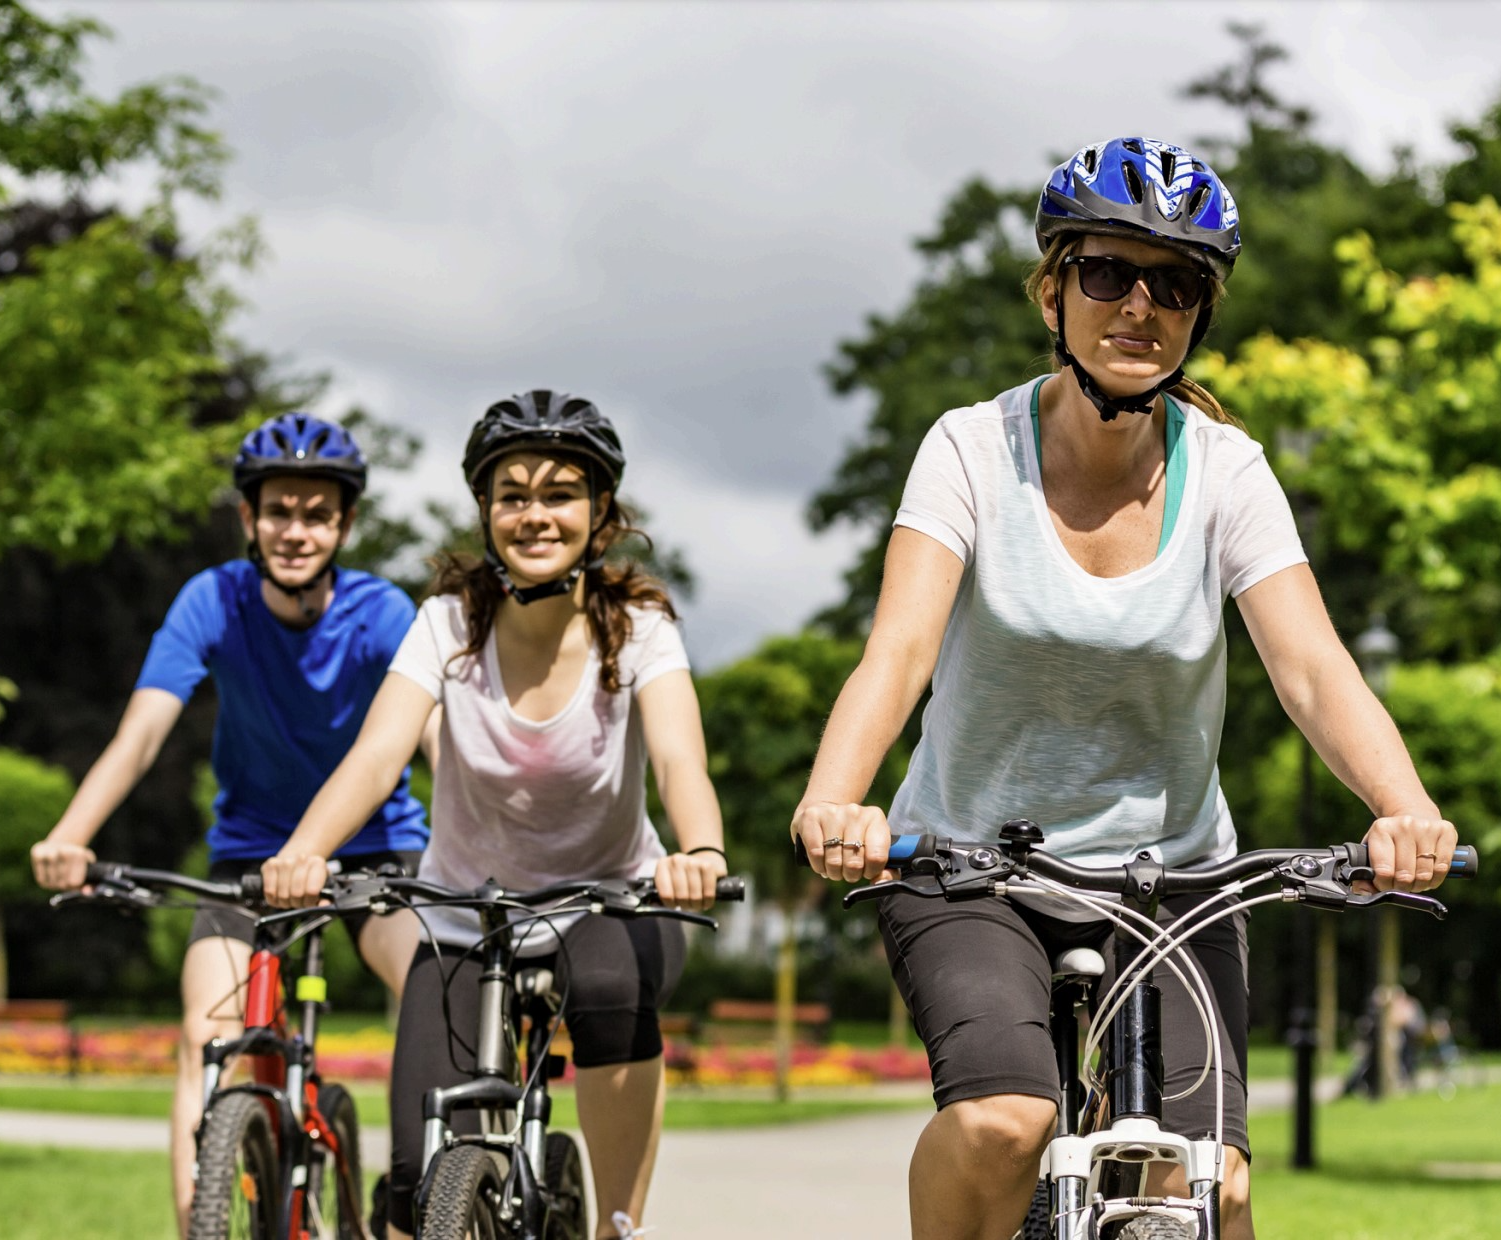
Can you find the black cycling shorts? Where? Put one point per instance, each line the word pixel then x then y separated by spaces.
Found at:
pixel 221 921
pixel 977 978
pixel 614 974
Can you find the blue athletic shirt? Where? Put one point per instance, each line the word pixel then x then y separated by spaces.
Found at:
pixel 291 701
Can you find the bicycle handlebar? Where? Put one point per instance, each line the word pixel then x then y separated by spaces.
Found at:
pixel 956 870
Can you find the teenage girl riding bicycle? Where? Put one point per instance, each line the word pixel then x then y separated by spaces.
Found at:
pixel 296 649
pixel 1058 570
pixel 559 674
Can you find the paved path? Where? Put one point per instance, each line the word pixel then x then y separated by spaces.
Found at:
pixel 731 1184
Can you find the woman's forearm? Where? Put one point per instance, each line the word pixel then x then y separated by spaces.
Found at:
pixel 691 805
pixel 868 716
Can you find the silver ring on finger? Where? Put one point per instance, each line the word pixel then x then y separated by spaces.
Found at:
pixel 855 844
pixel 832 842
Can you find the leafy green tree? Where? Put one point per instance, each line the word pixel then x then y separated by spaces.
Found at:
pixel 763 717
pixel 111 334
pixel 34 794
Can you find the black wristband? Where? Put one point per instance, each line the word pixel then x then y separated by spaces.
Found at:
pixel 707 848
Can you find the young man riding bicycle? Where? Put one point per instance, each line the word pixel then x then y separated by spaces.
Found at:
pixel 296 649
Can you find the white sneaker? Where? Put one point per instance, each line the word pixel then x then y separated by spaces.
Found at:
pixel 625 1226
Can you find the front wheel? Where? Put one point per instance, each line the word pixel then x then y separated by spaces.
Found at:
pixel 568 1217
pixel 1157 1227
pixel 464 1197
pixel 1038 1224
pixel 235 1196
pixel 334 1184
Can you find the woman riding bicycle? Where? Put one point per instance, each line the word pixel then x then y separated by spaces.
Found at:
pixel 559 674
pixel 1058 569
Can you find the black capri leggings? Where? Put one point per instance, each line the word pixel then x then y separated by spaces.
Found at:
pixel 977 976
pixel 614 973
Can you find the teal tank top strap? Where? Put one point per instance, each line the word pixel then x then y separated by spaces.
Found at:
pixel 1177 460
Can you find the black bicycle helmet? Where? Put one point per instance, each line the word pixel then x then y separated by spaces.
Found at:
pixel 545 421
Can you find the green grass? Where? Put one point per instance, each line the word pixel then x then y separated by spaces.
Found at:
pixel 685 1109
pixel 85 1195
pixel 1377 1177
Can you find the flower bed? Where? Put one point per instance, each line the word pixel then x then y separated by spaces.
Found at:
pixel 365 1055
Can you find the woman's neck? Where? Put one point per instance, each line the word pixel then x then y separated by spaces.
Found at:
pixel 1076 440
pixel 545 623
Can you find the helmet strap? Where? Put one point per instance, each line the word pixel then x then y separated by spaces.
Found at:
pixel 1110 407
pixel 297 594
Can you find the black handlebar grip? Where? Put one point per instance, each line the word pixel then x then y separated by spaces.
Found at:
pixel 1464 864
pixel 97 871
pixel 800 853
pixel 730 889
pixel 252 886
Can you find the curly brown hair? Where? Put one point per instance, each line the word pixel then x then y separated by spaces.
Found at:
pixel 619 582
pixel 1050 265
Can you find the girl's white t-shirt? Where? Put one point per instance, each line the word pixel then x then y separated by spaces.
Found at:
pixel 529 803
pixel 1091 705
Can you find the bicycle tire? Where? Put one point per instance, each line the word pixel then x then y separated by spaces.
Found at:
pixel 1038 1224
pixel 1157 1227
pixel 459 1206
pixel 334 1202
pixel 236 1195
pixel 564 1174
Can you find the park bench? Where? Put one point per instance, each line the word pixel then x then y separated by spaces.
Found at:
pixel 754 1020
pixel 45 1012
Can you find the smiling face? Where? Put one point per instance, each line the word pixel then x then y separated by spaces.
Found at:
pixel 540 515
pixel 1128 345
pixel 298 523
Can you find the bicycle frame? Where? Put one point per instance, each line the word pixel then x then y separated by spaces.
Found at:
pixel 498 1089
pixel 283 1070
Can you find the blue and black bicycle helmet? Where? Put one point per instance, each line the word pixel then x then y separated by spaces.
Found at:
pixel 1131 186
pixel 1147 191
pixel 298 443
pixel 545 421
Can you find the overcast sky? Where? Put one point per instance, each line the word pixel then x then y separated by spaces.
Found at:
pixel 679 209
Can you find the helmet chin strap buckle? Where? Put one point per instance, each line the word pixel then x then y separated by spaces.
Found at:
pixel 1110 407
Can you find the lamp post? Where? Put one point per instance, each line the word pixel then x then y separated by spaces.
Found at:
pixel 1376 650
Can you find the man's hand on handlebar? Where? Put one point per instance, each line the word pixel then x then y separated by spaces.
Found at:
pixel 1410 852
pixel 844 842
pixel 294 880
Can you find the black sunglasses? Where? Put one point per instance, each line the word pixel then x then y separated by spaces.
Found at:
pixel 1109 279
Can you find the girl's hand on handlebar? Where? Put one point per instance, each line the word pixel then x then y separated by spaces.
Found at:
pixel 59 866
pixel 844 842
pixel 294 880
pixel 687 882
pixel 1411 852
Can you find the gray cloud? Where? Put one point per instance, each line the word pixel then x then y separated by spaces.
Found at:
pixel 681 208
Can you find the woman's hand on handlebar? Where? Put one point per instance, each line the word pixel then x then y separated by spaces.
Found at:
pixel 687 882
pixel 1411 852
pixel 844 842
pixel 60 866
pixel 294 880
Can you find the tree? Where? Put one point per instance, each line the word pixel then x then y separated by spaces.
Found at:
pixel 112 336
pixel 968 332
pixel 34 794
pixel 763 717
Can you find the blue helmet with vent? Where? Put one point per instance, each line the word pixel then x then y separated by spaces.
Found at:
pixel 1130 186
pixel 298 443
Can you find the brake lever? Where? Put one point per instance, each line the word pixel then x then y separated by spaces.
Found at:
pixel 1403 899
pixel 873 891
pixel 108 893
pixel 677 914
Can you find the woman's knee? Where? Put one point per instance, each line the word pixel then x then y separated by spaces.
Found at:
pixel 1014 1126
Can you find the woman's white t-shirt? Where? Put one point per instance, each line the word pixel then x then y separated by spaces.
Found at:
pixel 1091 705
pixel 527 802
